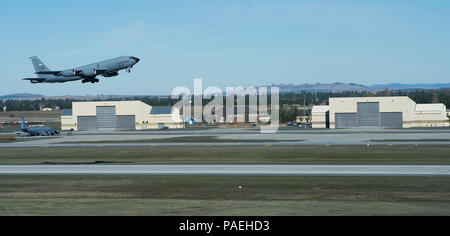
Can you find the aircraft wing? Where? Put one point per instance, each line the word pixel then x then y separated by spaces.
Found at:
pixel 75 72
pixel 35 80
pixel 96 72
pixel 48 72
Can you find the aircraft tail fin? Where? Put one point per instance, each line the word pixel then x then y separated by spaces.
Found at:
pixel 39 66
pixel 23 126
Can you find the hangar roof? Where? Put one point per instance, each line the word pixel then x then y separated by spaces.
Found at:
pixel 319 109
pixel 66 112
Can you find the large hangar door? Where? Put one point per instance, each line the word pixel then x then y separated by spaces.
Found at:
pixel 106 118
pixel 345 120
pixel 126 122
pixel 368 114
pixel 392 120
pixel 86 123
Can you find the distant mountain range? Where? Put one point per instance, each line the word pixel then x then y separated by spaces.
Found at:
pixel 21 95
pixel 284 88
pixel 412 86
pixel 343 87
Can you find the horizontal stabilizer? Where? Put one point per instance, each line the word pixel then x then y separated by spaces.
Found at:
pixel 48 72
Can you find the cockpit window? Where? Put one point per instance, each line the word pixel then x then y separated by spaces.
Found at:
pixel 135 58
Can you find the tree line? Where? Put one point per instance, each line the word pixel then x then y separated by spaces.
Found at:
pixel 288 112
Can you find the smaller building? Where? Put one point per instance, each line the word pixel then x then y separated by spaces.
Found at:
pixel 67 121
pixel 164 117
pixel 320 117
pixel 430 115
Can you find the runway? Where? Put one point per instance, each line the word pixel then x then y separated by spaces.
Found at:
pixel 229 170
pixel 239 137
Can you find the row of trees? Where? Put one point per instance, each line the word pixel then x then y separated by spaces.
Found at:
pixel 290 114
pixel 36 105
pixel 288 111
pixel 419 96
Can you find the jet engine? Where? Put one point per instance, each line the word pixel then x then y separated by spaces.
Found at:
pixel 89 73
pixel 69 73
pixel 111 74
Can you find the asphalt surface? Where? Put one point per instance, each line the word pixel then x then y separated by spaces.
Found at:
pixel 229 170
pixel 285 136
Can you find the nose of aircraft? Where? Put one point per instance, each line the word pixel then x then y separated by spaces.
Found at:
pixel 135 59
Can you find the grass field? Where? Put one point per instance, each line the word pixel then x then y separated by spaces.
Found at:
pixel 185 195
pixel 220 195
pixel 51 116
pixel 404 154
pixel 7 138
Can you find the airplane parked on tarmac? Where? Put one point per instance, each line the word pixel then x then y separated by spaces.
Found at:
pixel 87 73
pixel 37 131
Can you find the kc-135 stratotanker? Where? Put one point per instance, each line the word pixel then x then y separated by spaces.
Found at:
pixel 87 73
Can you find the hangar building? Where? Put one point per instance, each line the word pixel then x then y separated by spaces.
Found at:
pixel 118 115
pixel 378 112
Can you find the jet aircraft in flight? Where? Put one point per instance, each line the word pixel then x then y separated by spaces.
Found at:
pixel 87 73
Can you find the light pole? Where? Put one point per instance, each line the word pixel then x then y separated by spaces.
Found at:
pixel 304 105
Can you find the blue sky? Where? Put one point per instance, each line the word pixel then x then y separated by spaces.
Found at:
pixel 227 43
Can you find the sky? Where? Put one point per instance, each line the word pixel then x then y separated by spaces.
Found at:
pixel 226 43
